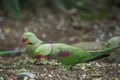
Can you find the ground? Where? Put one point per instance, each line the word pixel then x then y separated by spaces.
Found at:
pixel 56 27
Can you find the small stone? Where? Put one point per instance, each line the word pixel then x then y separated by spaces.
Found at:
pixel 116 78
pixel 44 35
pixel 26 75
pixel 26 29
pixel 97 79
pixel 49 75
pixel 7 30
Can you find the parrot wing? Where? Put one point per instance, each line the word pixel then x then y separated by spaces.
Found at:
pixel 72 55
pixel 44 49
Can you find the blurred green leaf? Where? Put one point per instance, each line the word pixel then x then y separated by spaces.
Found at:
pixel 74 3
pixel 3 76
pixel 14 8
pixel 60 5
pixel 90 15
pixel 1 66
pixel 63 4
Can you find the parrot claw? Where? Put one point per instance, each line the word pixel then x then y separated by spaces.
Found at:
pixel 38 62
pixel 41 62
pixel 35 62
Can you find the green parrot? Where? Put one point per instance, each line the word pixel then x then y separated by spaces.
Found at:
pixel 69 55
pixel 113 41
pixel 32 43
pixel 66 54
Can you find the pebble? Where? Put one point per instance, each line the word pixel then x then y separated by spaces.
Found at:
pixel 26 75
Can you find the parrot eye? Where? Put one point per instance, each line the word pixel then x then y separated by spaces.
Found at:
pixel 24 39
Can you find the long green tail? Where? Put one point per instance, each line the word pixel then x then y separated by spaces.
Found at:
pixel 11 52
pixel 107 50
pixel 100 53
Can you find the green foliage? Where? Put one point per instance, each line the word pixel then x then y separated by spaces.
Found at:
pixel 3 76
pixel 91 15
pixel 22 70
pixel 64 4
pixel 60 5
pixel 1 66
pixel 14 8
pixel 76 4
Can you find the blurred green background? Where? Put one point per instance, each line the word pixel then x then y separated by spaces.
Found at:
pixel 15 7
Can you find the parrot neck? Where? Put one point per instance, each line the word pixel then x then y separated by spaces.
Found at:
pixel 52 47
pixel 119 39
pixel 40 42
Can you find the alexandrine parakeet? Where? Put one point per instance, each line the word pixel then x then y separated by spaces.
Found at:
pixel 32 43
pixel 66 54
pixel 115 41
pixel 69 55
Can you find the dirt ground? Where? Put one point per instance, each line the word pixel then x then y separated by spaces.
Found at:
pixel 56 27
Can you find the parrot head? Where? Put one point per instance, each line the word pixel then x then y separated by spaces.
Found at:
pixel 29 38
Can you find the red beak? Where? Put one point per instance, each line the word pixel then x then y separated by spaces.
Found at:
pixel 24 40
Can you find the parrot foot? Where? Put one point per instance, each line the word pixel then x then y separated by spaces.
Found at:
pixel 40 62
pixel 40 59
